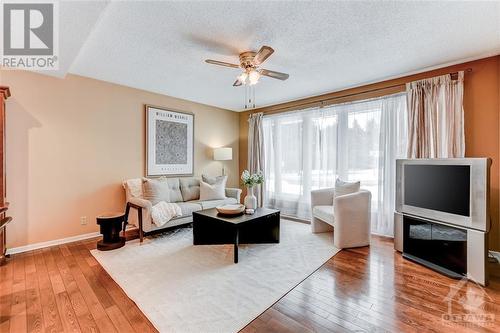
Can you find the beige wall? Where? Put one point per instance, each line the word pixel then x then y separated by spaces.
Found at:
pixel 70 143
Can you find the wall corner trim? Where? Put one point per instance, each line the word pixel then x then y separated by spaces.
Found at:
pixel 41 245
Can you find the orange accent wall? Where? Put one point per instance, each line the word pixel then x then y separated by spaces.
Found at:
pixel 482 121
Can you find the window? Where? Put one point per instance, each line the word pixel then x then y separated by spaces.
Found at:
pixel 309 149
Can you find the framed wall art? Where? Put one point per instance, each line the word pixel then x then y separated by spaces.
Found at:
pixel 170 142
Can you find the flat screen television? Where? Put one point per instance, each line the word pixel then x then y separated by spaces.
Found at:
pixel 453 191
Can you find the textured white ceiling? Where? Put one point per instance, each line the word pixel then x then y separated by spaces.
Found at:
pixel 324 46
pixel 76 21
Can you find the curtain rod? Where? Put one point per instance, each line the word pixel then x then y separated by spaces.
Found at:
pixel 468 70
pixel 326 101
pixel 321 105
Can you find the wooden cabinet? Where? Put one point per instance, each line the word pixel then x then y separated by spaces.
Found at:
pixel 4 94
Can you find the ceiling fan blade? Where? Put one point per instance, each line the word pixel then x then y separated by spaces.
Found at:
pixel 262 55
pixel 274 75
pixel 237 83
pixel 221 63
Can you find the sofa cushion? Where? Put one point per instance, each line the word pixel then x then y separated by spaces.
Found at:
pixel 207 204
pixel 212 180
pixel 343 188
pixel 215 191
pixel 175 190
pixel 187 208
pixel 155 190
pixel 190 188
pixel 324 213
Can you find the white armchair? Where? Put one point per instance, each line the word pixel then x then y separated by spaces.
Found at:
pixel 347 215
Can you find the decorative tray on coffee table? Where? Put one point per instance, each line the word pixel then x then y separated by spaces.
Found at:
pixel 233 209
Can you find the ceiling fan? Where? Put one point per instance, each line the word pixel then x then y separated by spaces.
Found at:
pixel 250 64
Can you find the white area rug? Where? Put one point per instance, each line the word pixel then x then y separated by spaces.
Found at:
pixel 186 288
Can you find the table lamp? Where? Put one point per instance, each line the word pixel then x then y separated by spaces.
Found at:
pixel 223 154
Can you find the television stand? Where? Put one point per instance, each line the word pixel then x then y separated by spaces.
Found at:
pixel 434 267
pixel 453 251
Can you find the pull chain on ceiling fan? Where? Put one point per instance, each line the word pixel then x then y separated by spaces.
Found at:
pixel 249 97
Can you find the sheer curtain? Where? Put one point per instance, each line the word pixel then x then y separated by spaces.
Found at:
pixel 308 149
pixel 392 145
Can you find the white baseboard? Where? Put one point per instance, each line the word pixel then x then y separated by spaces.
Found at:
pixel 41 245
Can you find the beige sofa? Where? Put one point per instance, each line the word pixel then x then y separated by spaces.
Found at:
pixel 183 191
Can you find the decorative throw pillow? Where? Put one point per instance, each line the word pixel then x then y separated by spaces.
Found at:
pixel 190 188
pixel 213 180
pixel 216 191
pixel 343 188
pixel 155 190
pixel 133 187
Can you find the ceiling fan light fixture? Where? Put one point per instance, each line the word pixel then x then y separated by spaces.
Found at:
pixel 243 77
pixel 253 77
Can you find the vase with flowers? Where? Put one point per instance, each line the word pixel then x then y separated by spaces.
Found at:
pixel 250 181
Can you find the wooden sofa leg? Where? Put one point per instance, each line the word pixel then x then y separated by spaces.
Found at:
pixel 139 217
pixel 127 211
pixel 141 232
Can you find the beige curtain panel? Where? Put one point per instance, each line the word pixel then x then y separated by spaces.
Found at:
pixel 256 150
pixel 436 117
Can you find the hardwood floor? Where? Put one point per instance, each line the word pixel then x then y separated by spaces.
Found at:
pixel 64 289
pixel 375 290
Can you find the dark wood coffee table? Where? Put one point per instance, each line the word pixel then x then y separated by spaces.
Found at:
pixel 209 228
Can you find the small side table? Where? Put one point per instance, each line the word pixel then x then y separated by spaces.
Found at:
pixel 111 224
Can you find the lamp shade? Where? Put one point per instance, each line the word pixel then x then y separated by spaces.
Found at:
pixel 223 154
